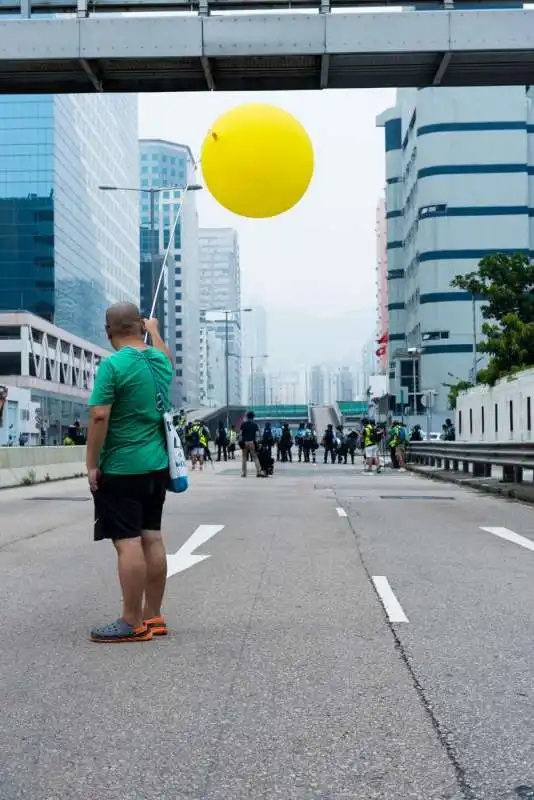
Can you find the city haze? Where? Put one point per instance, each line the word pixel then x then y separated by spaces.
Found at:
pixel 312 268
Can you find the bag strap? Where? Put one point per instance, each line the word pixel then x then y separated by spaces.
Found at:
pixel 162 405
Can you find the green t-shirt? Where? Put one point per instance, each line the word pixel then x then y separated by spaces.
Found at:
pixel 135 443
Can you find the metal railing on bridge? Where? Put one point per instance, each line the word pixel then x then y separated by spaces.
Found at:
pixel 284 413
pixel 476 458
pixel 89 7
pixel 67 46
pixel 353 408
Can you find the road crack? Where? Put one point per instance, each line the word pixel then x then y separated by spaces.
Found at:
pixel 444 735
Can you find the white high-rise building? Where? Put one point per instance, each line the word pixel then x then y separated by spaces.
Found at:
pixel 212 368
pixel 170 167
pixel 255 334
pixel 459 186
pixel 255 348
pixel 220 291
pixel 257 388
pixel 285 388
pixel 317 386
pixel 345 385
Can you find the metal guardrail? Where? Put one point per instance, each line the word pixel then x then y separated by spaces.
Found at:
pixel 88 7
pixel 476 458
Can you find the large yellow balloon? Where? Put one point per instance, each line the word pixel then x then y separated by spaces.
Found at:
pixel 257 160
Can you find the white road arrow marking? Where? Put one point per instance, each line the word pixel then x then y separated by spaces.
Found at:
pixel 184 558
pixel 510 536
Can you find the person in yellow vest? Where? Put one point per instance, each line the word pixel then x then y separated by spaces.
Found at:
pixel 70 438
pixel 370 446
pixel 197 441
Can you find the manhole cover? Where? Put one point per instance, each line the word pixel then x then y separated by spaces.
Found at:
pixel 413 497
pixel 59 499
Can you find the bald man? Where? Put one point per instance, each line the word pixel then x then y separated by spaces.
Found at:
pixel 128 469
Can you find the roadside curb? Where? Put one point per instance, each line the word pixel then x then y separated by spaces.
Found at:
pixel 523 492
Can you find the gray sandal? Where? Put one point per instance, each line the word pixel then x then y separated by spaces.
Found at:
pixel 120 631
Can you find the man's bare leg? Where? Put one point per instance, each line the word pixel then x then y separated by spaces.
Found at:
pixel 132 577
pixel 156 573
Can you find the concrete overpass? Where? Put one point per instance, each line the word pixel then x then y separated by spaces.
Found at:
pixel 201 52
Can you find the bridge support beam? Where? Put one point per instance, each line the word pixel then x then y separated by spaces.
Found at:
pixel 208 74
pixel 92 75
pixel 442 69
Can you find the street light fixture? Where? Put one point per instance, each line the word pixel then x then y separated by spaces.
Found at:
pixel 152 191
pixel 227 313
pixel 252 359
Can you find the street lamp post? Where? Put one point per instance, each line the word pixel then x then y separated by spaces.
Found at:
pixel 414 353
pixel 252 359
pixel 227 367
pixel 474 309
pixel 414 378
pixel 152 191
pixel 153 248
pixel 227 352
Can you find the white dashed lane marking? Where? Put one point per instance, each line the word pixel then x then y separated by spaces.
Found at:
pixel 387 597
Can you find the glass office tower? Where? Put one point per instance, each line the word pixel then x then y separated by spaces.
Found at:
pixel 67 249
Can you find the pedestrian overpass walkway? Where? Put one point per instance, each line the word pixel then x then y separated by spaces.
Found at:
pixel 282 413
pixel 322 416
pixel 83 52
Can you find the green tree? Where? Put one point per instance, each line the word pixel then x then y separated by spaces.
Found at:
pixel 506 284
pixel 454 391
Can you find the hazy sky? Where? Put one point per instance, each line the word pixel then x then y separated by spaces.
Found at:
pixel 317 260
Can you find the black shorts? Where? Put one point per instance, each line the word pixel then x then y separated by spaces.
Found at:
pixel 126 505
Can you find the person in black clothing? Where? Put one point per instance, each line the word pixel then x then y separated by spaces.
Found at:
pixel 416 436
pixel 309 443
pixel 207 451
pixel 341 450
pixel 267 439
pixel 286 443
pixel 329 444
pixel 265 458
pixel 221 440
pixel 249 436
pixel 299 440
pixel 450 431
pixel 351 445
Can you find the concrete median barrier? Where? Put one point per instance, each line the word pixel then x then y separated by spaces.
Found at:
pixel 23 466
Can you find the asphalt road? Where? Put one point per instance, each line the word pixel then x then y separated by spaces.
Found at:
pixel 284 675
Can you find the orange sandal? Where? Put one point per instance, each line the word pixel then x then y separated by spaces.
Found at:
pixel 121 631
pixel 157 626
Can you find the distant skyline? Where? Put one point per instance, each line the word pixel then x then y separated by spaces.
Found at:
pixel 313 268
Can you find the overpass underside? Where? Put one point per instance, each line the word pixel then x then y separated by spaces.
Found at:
pixel 285 50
